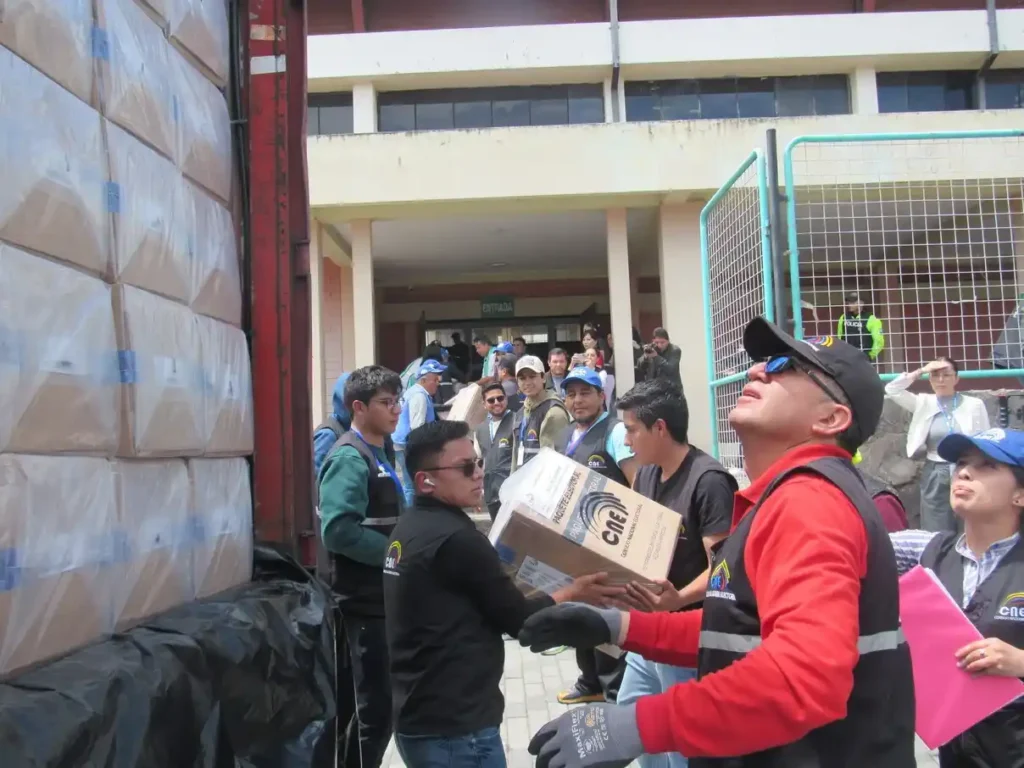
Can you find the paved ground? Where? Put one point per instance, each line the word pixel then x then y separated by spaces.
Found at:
pixel 530 685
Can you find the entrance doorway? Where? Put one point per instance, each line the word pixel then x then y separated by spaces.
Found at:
pixel 541 334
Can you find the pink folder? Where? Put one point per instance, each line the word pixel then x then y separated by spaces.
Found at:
pixel 949 700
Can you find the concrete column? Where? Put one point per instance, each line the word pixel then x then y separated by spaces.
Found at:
pixel 619 296
pixel 364 320
pixel 634 298
pixel 682 309
pixel 319 377
pixel 613 96
pixel 864 91
pixel 348 320
pixel 364 108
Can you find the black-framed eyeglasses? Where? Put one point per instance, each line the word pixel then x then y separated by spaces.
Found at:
pixel 495 400
pixel 467 467
pixel 782 363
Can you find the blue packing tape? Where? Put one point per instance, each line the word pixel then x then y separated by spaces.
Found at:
pixel 506 554
pixel 100 44
pixel 127 366
pixel 113 197
pixel 10 570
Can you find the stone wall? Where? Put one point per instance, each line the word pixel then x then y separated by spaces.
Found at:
pixel 885 454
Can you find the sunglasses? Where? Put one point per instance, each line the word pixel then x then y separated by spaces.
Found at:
pixel 467 468
pixel 783 363
pixel 495 400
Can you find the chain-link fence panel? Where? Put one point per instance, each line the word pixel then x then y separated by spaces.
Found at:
pixel 736 264
pixel 910 246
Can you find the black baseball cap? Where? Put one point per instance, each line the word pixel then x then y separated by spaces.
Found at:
pixel 848 366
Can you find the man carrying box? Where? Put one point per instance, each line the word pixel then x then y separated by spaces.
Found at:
pixel 448 600
pixel 597 441
pixel 799 652
pixel 683 478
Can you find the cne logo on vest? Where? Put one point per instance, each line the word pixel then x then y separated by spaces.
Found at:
pixel 531 435
pixel 596 461
pixel 393 558
pixel 1012 607
pixel 718 584
pixel 503 442
pixel 605 516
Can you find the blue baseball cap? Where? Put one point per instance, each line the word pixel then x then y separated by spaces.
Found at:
pixel 584 374
pixel 1003 445
pixel 505 347
pixel 430 366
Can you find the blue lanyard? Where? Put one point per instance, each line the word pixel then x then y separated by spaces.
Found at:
pixel 386 464
pixel 951 426
pixel 578 436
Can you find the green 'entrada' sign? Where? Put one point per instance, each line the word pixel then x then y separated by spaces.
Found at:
pixel 497 306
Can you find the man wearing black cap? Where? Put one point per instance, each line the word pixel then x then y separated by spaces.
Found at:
pixel 799 652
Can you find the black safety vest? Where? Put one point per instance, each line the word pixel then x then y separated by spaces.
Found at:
pixel 497 454
pixel 878 730
pixel 360 586
pixel 690 559
pixel 855 330
pixel 997 610
pixel 526 431
pixel 591 452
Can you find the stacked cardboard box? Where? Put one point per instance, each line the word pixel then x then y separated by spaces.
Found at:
pixel 125 389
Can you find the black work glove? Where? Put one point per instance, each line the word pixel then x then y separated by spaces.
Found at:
pixel 593 736
pixel 574 624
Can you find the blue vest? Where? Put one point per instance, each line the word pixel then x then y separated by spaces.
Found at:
pixel 403 429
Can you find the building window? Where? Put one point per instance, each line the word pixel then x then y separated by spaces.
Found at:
pixel 733 97
pixel 329 114
pixel 439 110
pixel 926 91
pixel 1004 89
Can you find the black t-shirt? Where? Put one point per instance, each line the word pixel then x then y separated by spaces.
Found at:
pixel 711 508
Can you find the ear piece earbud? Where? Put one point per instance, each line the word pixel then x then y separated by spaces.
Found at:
pixel 428 481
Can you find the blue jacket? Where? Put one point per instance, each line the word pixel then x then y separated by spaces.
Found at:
pixel 403 429
pixel 324 437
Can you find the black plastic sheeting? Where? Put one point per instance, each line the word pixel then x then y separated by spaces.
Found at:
pixel 244 679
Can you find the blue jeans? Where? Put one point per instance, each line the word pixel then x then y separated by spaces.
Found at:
pixel 482 749
pixel 403 475
pixel 647 678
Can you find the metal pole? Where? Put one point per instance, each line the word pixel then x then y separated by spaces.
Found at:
pixel 778 235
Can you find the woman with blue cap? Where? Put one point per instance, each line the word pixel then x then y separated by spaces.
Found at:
pixel 983 570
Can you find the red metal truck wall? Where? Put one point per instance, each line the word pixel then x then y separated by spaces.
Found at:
pixel 279 274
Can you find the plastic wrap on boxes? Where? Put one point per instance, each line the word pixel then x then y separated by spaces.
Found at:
pixel 58 358
pixel 201 28
pixel 53 198
pixel 55 36
pixel 161 375
pixel 138 87
pixel 153 520
pixel 245 680
pixel 229 428
pixel 205 129
pixel 152 223
pixel 216 283
pixel 57 524
pixel 222 523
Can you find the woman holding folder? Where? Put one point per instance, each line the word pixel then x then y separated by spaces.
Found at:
pixel 983 570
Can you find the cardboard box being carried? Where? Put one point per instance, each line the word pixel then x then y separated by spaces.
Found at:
pixel 560 520
pixel 468 406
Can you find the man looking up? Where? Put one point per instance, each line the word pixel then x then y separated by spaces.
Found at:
pixel 448 602
pixel 417 409
pixel 360 500
pixel 683 478
pixel 493 440
pixel 801 660
pixel 543 416
pixel 597 441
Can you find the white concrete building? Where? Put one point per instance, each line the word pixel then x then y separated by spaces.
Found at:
pixel 563 166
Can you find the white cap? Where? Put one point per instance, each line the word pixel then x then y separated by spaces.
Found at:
pixel 530 363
